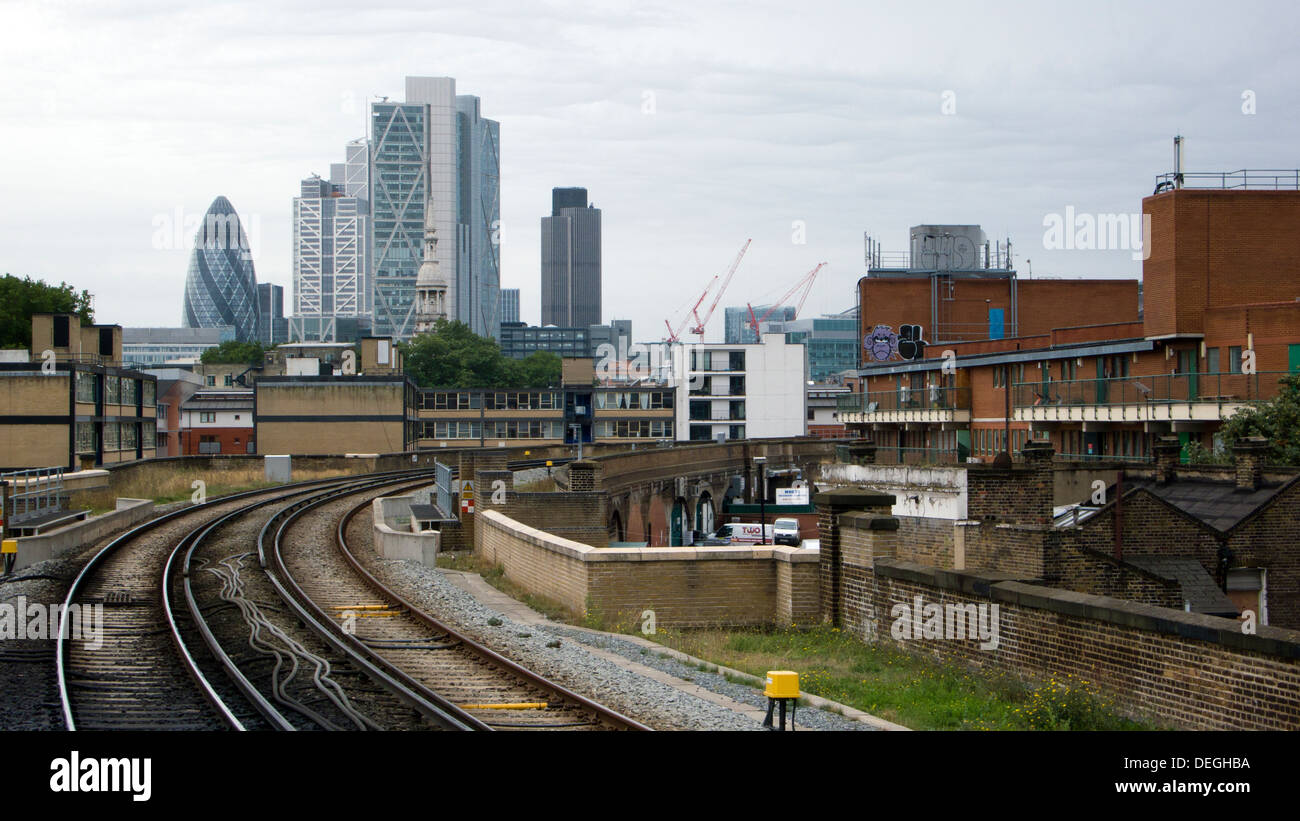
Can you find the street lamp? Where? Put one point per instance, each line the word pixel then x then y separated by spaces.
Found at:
pixel 760 464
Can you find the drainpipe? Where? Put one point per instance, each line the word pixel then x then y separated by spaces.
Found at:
pixel 1119 516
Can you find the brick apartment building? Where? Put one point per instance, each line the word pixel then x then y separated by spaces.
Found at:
pixel 1090 366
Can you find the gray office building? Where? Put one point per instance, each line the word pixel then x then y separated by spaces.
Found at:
pixel 737 330
pixel 509 306
pixel 434 149
pixel 571 269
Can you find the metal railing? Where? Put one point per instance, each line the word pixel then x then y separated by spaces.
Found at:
pixel 443 483
pixel 905 398
pixel 1166 388
pixel 1245 178
pixel 33 493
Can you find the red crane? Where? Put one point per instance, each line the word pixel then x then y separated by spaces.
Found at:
pixel 805 282
pixel 698 327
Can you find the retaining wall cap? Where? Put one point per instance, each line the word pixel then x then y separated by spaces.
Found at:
pixel 853 497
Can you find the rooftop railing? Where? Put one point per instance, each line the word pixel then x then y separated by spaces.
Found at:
pixel 1246 178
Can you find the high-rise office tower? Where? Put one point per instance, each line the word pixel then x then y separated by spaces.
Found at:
pixel 434 147
pixel 509 305
pixel 331 242
pixel 571 260
pixel 220 286
pixel 272 327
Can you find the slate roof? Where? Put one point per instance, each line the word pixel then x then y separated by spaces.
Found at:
pixel 1199 590
pixel 1216 503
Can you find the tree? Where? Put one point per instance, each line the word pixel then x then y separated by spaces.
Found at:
pixel 1277 420
pixel 453 356
pixel 20 298
pixel 232 352
pixel 540 369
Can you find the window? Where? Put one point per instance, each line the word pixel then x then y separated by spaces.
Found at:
pixel 207 416
pixel 148 389
pixel 211 381
pixel 1212 360
pixel 112 390
pixel 85 437
pixel 86 384
pixel 737 386
pixel 228 380
pixel 1234 359
pixel 811 414
pixel 736 361
pixel 130 392
pixel 112 436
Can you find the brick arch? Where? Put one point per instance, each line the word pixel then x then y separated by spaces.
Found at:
pixel 617 531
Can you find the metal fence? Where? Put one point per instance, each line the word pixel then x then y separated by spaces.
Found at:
pixel 443 482
pixel 924 397
pixel 33 493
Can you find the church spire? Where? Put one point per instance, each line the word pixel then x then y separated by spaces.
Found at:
pixel 430 286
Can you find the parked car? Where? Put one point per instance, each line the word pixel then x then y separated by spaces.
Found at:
pixel 786 531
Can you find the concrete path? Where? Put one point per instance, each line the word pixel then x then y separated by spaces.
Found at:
pixel 486 594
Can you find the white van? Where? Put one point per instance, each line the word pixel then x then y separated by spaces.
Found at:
pixel 786 531
pixel 744 533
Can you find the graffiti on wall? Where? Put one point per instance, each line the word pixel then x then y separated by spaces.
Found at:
pixel 882 344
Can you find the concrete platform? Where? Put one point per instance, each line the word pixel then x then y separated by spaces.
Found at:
pixel 486 594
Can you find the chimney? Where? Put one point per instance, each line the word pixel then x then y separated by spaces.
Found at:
pixel 1248 456
pixel 1168 452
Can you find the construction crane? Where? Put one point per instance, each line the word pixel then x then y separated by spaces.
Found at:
pixel 805 282
pixel 698 328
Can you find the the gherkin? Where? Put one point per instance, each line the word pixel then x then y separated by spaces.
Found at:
pixel 221 288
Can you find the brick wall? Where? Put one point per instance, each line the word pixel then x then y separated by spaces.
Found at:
pixel 683 586
pixel 1159 664
pixel 1164 666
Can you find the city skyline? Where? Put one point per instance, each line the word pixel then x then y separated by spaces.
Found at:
pixel 693 148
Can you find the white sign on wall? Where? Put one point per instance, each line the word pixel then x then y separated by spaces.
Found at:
pixel 792 495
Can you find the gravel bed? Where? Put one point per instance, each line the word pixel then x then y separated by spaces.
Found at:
pixel 805 717
pixel 646 700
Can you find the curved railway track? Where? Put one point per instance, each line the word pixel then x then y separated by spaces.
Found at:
pixel 307 655
pixel 133 676
pixel 486 690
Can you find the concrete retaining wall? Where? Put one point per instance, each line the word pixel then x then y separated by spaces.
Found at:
pixel 129 513
pixel 394 540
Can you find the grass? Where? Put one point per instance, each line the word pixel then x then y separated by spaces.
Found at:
pixel 543 485
pixel 495 575
pixel 911 690
pixel 165 486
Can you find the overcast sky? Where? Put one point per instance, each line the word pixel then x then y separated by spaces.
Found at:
pixel 693 125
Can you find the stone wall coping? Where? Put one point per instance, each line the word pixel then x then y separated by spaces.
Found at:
pixel 1272 641
pixel 587 553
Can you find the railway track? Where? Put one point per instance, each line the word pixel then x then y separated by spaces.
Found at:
pixel 132 677
pixel 484 689
pixel 201 632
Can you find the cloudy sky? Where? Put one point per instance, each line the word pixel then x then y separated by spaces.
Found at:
pixel 694 126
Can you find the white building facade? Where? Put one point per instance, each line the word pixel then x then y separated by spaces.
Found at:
pixel 755 391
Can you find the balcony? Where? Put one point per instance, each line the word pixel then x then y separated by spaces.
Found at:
pixel 932 405
pixel 1173 398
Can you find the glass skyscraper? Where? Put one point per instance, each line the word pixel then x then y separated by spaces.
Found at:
pixel 434 146
pixel 331 243
pixel 220 286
